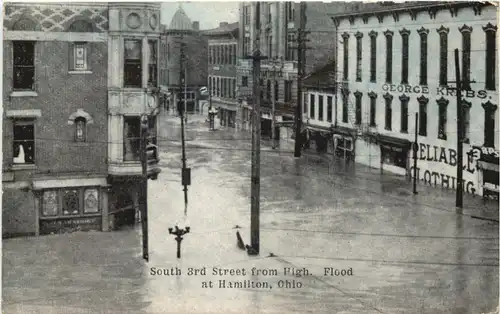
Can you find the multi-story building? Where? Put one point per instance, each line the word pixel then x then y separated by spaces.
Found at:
pixel 398 61
pixel 278 39
pixel 185 42
pixel 222 52
pixel 71 112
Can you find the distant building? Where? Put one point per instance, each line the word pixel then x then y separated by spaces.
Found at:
pixel 398 61
pixel 222 52
pixel 72 110
pixel 181 31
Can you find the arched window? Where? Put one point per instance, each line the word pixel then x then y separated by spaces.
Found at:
pixel 80 129
pixel 79 51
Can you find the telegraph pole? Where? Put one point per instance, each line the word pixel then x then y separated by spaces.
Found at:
pixel 459 196
pixel 300 73
pixel 186 172
pixel 415 149
pixel 144 187
pixel 255 184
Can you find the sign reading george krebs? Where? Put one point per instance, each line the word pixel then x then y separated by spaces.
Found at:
pixel 440 91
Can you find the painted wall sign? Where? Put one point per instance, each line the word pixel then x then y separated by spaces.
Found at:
pixel 440 91
pixel 434 178
pixel 63 225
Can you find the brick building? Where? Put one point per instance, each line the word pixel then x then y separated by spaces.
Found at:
pixel 222 52
pixel 396 61
pixel 278 38
pixel 182 32
pixel 66 103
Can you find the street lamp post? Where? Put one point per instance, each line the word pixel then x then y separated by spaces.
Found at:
pixel 178 236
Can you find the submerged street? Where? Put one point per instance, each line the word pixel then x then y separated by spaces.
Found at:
pixel 364 242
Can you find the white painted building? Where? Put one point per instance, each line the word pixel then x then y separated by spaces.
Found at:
pixel 396 61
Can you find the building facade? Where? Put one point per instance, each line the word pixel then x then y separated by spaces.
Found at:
pixel 64 104
pixel 185 42
pixel 222 52
pixel 396 62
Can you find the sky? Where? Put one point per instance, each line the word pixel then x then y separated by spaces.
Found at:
pixel 209 14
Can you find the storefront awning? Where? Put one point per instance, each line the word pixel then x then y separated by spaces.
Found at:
pixel 488 166
pixel 392 141
pixel 343 131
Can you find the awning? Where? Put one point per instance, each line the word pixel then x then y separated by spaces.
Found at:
pixel 343 131
pixel 393 141
pixel 488 166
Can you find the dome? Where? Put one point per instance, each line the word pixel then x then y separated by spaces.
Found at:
pixel 180 21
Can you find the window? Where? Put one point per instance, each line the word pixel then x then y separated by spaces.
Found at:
pixel 234 54
pixel 24 65
pixel 50 203
pixel 290 49
pixel 442 119
pixel 210 55
pixel 24 141
pixel 269 16
pixel 305 105
pixel 290 11
pixel 320 108
pixel 405 34
pixel 152 139
pixel 269 46
pixel 152 64
pixel 79 56
pixel 345 104
pixel 373 56
pixel 489 124
pixel 466 33
pixel 276 91
pixel 261 84
pixel 244 81
pixel 443 55
pixel 422 115
pixel 388 57
pixel 288 91
pixel 218 88
pixel 80 129
pixel 268 90
pixel 404 113
pixel 358 95
pixel 329 108
pixel 70 202
pixel 132 71
pixel 132 136
pixel 423 55
pixel 246 45
pixel 246 14
pixel 312 113
pixel 359 54
pixel 466 105
pixel 373 109
pixel 395 156
pixel 388 112
pixel 214 86
pixel 491 34
pixel 345 43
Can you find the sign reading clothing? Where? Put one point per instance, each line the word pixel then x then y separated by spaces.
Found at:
pixel 441 157
pixel 440 91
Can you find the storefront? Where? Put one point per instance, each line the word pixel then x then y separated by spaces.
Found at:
pixel 343 144
pixel 393 154
pixel 488 166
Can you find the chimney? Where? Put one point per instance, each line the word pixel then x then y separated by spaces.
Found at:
pixel 196 25
pixel 221 24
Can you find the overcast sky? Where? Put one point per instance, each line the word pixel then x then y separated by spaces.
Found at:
pixel 209 14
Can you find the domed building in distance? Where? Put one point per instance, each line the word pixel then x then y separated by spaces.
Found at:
pixel 183 37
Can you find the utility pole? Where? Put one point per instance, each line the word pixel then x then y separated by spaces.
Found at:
pixel 415 150
pixel 273 111
pixel 144 187
pixel 300 73
pixel 459 196
pixel 255 177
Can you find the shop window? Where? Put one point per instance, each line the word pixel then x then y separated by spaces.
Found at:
pixel 312 113
pixel 442 118
pixel 24 65
pixel 423 55
pixel 132 139
pixel 132 71
pixel 466 105
pixel 276 91
pixel 373 56
pixel 443 55
pixel 388 112
pixel 405 34
pixel 288 91
pixel 153 63
pixel 345 44
pixel 329 108
pixel 388 57
pixel 422 115
pixel 244 81
pixel 320 107
pixel 80 129
pixel 50 203
pixel 24 141
pixel 373 109
pixel 70 202
pixel 491 177
pixel 359 56
pixel 91 201
pixel 491 46
pixel 394 156
pixel 358 95
pixel 489 124
pixel 345 106
pixel 466 44
pixel 404 113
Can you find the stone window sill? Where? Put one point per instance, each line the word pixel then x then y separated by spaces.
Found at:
pixel 24 93
pixel 23 167
pixel 80 72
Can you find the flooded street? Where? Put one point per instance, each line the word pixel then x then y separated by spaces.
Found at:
pixel 364 242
